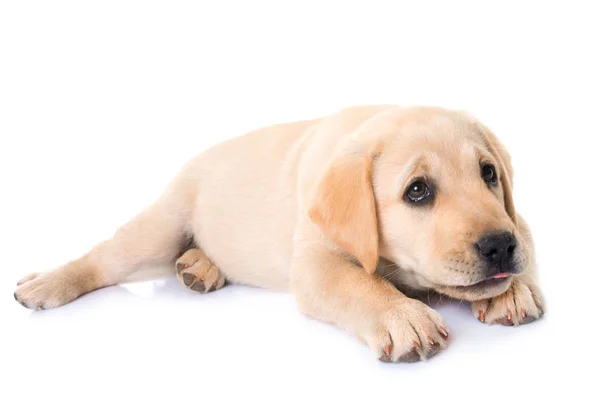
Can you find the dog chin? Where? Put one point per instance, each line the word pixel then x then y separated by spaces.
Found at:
pixel 483 290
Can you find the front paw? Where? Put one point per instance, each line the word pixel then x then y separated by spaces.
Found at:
pixel 521 304
pixel 407 330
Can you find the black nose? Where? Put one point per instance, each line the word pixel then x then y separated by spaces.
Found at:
pixel 497 248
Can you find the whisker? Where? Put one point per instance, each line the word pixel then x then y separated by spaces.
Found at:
pixel 387 266
pixel 390 274
pixel 397 271
pixel 439 300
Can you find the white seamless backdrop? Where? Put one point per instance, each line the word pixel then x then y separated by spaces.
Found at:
pixel 102 102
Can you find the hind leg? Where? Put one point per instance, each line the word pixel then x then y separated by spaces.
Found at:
pixel 150 240
pixel 154 238
pixel 196 271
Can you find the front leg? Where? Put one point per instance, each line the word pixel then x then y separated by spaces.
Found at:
pixel 523 302
pixel 329 287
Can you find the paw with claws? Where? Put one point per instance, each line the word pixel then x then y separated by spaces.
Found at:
pixel 521 304
pixel 407 331
pixel 198 272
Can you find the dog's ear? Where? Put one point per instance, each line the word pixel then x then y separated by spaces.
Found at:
pixel 343 207
pixel 506 178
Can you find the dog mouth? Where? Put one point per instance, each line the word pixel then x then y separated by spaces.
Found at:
pixel 492 282
pixel 490 286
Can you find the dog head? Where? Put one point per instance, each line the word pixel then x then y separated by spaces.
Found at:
pixel 430 190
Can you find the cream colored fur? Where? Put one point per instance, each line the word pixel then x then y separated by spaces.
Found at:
pixel 316 207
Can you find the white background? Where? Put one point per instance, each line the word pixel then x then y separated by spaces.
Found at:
pixel 102 102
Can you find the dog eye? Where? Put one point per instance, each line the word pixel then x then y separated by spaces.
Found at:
pixel 488 173
pixel 418 192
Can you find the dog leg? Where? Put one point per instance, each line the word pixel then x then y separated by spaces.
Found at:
pixel 197 272
pixel 330 288
pixel 156 237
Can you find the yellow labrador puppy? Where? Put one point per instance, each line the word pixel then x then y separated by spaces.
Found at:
pixel 349 212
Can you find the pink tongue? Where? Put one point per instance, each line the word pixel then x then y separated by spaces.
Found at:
pixel 500 275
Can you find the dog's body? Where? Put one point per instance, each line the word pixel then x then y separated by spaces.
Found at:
pixel 322 208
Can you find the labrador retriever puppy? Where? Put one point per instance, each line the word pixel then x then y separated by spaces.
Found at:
pixel 350 212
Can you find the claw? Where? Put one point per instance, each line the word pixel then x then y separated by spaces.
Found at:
pixel 481 316
pixel 387 350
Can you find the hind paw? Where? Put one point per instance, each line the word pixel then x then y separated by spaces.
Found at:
pixel 198 272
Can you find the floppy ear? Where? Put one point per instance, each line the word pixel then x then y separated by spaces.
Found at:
pixel 506 179
pixel 343 207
